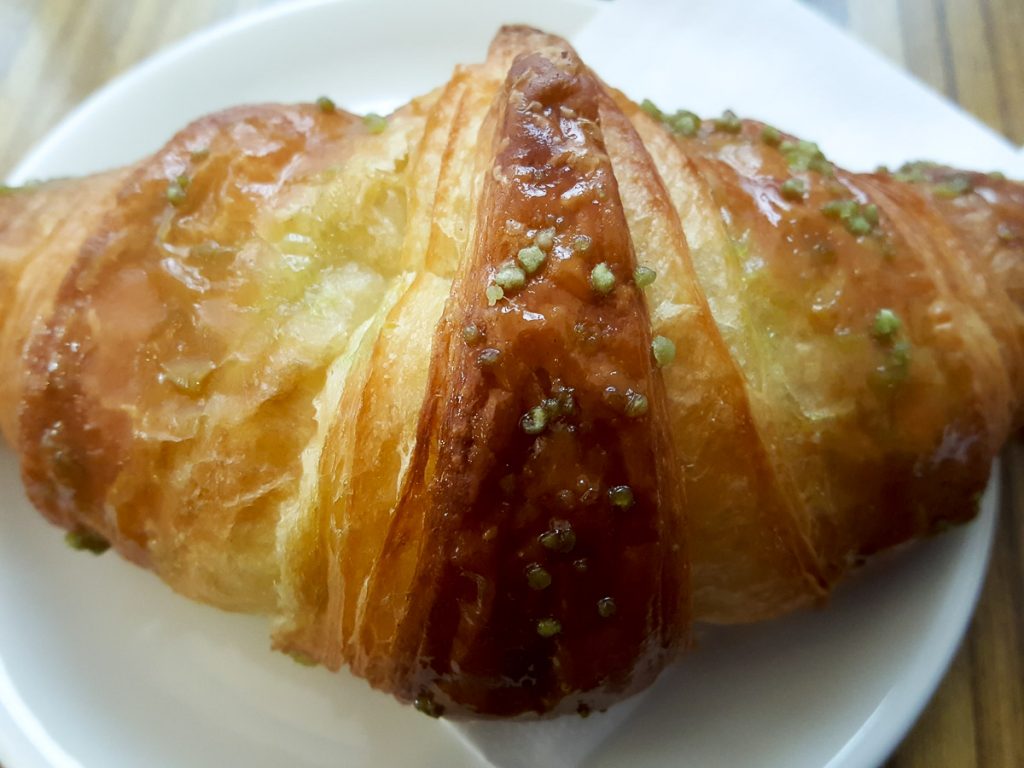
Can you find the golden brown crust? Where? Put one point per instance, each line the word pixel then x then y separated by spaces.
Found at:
pixel 272 364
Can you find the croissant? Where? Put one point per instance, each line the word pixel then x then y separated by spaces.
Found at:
pixel 490 400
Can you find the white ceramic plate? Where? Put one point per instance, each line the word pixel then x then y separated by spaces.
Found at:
pixel 101 666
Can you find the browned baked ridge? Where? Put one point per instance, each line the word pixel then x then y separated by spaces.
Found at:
pixel 410 386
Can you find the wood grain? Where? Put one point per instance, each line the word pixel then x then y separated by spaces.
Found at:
pixel 54 53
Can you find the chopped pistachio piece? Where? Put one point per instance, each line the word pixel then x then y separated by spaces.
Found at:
pixel 644 276
pixel 326 105
pixel 545 238
pixel 548 627
pixel 581 243
pixel 602 279
pixel 664 351
pixel 375 123
pixel 606 607
pixel 621 496
pixel 304 659
pixel 425 703
pixel 531 258
pixel 537 576
pixel 86 541
pixel 771 136
pixel 494 294
pixel 858 225
pixel 858 219
pixel 953 187
pixel 886 325
pixel 805 156
pixel 488 356
pixel 534 420
pixel 651 109
pixel 728 122
pixel 684 122
pixel 636 405
pixel 793 189
pixel 510 277
pixel 176 192
pixel 559 538
pixel 471 334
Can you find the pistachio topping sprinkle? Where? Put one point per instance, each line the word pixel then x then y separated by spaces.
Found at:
pixel 606 607
pixel 531 258
pixel 86 541
pixel 636 404
pixel 602 279
pixel 375 123
pixel 425 703
pixel 176 190
pixel 534 420
pixel 621 496
pixel 953 187
pixel 471 333
pixel 664 351
pixel 537 576
pixel 549 627
pixel 793 189
pixel 326 105
pixel 805 156
pixel 488 356
pixel 728 122
pixel 560 537
pixel 509 277
pixel 771 136
pixel 644 276
pixel 545 238
pixel 886 324
pixel 858 219
pixel 494 294
pixel 581 243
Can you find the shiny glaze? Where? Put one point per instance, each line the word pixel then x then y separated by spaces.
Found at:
pixel 483 492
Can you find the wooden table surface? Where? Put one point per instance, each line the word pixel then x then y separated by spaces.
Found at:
pixel 53 53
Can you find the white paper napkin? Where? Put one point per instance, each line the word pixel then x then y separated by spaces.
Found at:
pixel 777 61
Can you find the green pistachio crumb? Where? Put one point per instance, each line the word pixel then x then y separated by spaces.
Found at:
pixel 488 357
pixel 531 258
pixel 326 105
pixel 870 212
pixel 375 123
pixel 805 156
pixel 425 703
pixel 494 294
pixel 953 187
pixel 793 189
pixel 771 136
pixel 636 405
pixel 86 541
pixel 534 420
pixel 606 607
pixel 621 496
pixel 664 351
pixel 728 122
pixel 996 176
pixel 509 277
pixel 545 238
pixel 602 279
pixel 583 710
pixel 644 276
pixel 651 109
pixel 886 325
pixel 560 537
pixel 858 219
pixel 684 122
pixel 548 627
pixel 537 576
pixel 858 226
pixel 471 334
pixel 176 192
pixel 581 243
pixel 915 172
pixel 304 659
